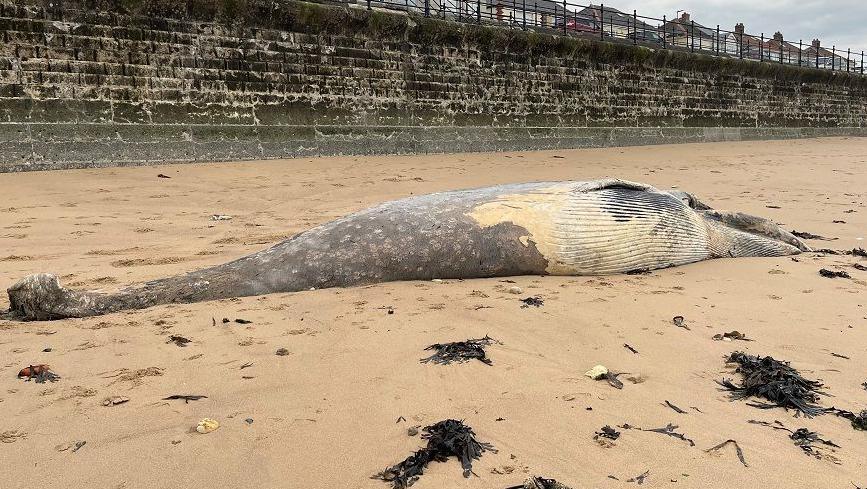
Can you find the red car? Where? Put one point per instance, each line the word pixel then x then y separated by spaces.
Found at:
pixel 582 24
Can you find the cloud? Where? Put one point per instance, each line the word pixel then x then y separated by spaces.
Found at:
pixel 835 22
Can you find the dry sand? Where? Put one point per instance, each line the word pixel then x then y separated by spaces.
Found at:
pixel 325 415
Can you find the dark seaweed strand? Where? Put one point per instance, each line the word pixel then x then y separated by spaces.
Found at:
pixel 460 351
pixel 738 451
pixel 775 381
pixel 802 437
pixel 444 439
pixel 859 421
pixel 669 430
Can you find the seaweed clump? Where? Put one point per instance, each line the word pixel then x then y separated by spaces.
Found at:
pixel 460 351
pixel 534 482
pixel 833 273
pixel 448 438
pixel 775 381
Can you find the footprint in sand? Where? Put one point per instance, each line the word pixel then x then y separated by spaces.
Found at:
pixel 134 376
pixel 77 392
pixel 111 252
pixel 96 281
pixel 16 258
pixel 12 436
pixel 136 262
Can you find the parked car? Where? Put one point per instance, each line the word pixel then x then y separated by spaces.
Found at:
pixel 581 24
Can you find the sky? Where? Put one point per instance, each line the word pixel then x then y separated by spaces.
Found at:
pixel 835 22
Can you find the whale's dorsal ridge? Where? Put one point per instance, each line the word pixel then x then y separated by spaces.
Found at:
pixel 609 183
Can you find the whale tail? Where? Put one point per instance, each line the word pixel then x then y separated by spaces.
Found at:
pixel 38 297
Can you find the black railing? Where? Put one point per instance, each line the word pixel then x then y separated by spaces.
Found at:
pixel 607 23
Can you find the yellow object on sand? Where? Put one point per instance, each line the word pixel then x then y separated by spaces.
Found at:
pixel 207 425
pixel 597 372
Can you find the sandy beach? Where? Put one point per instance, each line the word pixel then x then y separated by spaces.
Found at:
pixel 335 410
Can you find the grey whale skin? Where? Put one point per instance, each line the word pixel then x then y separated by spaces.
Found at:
pixel 593 227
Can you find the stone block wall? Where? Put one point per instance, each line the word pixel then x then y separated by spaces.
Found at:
pixel 95 84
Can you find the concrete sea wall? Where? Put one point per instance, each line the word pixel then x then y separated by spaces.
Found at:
pixel 114 82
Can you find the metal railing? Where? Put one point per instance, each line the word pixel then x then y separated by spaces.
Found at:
pixel 606 23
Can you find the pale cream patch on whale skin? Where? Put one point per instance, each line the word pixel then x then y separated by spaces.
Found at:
pixel 569 227
pixel 533 211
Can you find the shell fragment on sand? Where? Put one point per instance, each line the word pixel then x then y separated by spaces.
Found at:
pixel 598 372
pixel 207 425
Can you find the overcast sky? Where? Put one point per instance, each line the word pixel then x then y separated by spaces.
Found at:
pixel 840 22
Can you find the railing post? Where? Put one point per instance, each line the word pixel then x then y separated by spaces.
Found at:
pixel 762 47
pixel 781 50
pixel 565 21
pixel 817 56
pixel 717 39
pixel 741 45
pixel 635 27
pixel 692 35
pixel 800 41
pixel 847 59
pixel 601 21
pixel 368 4
pixel 833 56
pixel 664 41
pixel 427 8
pixel 862 62
pixel 524 16
pixel 478 11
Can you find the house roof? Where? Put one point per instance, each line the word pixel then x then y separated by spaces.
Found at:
pixel 543 6
pixel 684 27
pixel 614 16
pixel 775 45
pixel 826 53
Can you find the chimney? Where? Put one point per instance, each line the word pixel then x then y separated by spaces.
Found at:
pixel 684 17
pixel 778 36
pixel 739 28
pixel 816 43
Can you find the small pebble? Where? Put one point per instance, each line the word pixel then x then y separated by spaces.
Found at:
pixel 282 352
pixel 515 290
pixel 412 431
pixel 249 420
pixel 114 401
